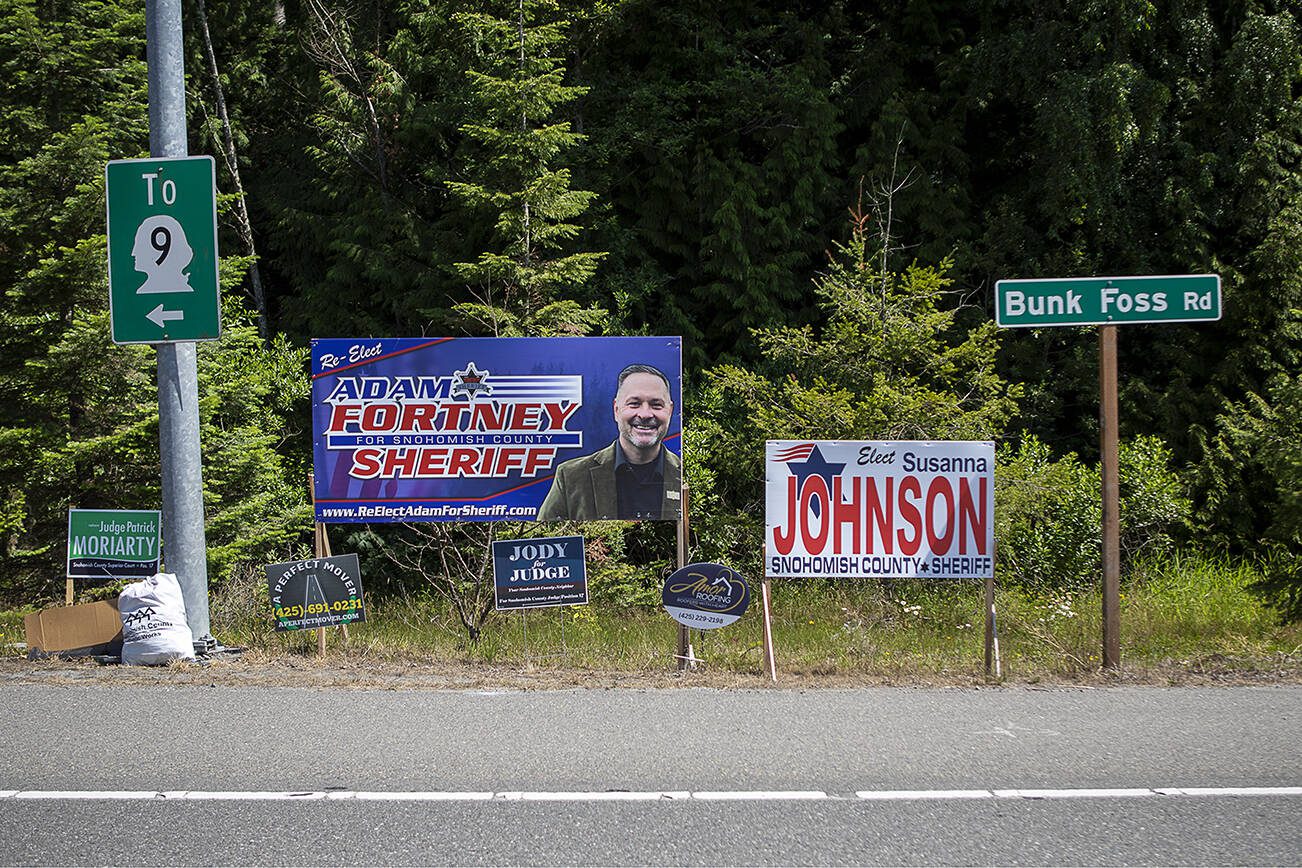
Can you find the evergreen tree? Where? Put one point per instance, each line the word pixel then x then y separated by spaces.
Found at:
pixel 890 361
pixel 1149 139
pixel 72 79
pixel 714 131
pixel 349 153
pixel 523 284
pixel 1264 430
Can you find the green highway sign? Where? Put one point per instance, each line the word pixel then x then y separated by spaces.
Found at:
pixel 162 250
pixel 1084 301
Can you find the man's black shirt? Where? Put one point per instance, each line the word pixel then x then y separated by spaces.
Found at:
pixel 641 487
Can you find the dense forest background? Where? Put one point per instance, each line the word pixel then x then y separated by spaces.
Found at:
pixel 817 196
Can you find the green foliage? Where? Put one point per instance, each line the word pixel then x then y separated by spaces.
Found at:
pixel 1048 517
pixel 348 147
pixel 1139 138
pixel 1154 511
pixel 1281 581
pixel 1184 617
pixel 253 397
pixel 714 138
pixel 1049 513
pixel 890 362
pixel 451 562
pixel 435 166
pixel 79 421
pixel 72 420
pixel 1262 435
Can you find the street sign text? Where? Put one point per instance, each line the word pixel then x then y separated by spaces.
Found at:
pixel 1084 301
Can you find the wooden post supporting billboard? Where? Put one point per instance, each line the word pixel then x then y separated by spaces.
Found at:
pixel 993 665
pixel 770 665
pixel 321 549
pixel 684 655
pixel 1111 496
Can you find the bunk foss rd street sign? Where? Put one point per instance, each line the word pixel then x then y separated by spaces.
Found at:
pixel 162 250
pixel 1085 301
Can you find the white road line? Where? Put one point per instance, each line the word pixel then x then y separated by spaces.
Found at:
pixel 605 796
pixel 412 797
pixel 1233 791
pixel 79 795
pixel 637 796
pixel 1083 793
pixel 1073 794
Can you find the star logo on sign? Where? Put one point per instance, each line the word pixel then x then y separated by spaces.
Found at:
pixel 470 383
pixel 815 465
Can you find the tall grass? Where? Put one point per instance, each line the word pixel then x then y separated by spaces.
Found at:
pixel 1177 611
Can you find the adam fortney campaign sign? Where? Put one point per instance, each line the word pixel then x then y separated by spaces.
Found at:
pixel 465 429
pixel 841 508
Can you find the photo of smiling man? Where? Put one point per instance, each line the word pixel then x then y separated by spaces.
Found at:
pixel 634 477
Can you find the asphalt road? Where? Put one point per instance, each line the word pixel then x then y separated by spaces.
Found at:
pixel 483 748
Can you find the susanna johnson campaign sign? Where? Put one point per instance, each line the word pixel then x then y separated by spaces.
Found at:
pixel 467 429
pixel 837 508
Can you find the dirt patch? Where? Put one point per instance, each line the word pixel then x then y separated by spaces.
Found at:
pixel 257 668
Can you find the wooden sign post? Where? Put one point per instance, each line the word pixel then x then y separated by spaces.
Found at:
pixel 992 632
pixel 1111 496
pixel 684 652
pixel 770 665
pixel 321 549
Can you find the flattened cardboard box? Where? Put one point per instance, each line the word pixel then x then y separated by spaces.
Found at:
pixel 91 628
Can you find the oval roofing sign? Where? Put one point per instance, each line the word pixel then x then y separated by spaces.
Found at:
pixel 705 596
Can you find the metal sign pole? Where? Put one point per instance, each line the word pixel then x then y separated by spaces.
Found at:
pixel 992 622
pixel 1111 497
pixel 321 549
pixel 178 377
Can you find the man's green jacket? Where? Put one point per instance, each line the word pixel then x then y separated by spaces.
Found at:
pixel 584 488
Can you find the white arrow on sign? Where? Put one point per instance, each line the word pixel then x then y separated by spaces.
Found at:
pixel 158 316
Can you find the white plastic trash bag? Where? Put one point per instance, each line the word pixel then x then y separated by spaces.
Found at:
pixel 154 629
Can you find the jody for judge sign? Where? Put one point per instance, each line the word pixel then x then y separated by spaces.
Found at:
pixel 883 509
pixel 534 573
